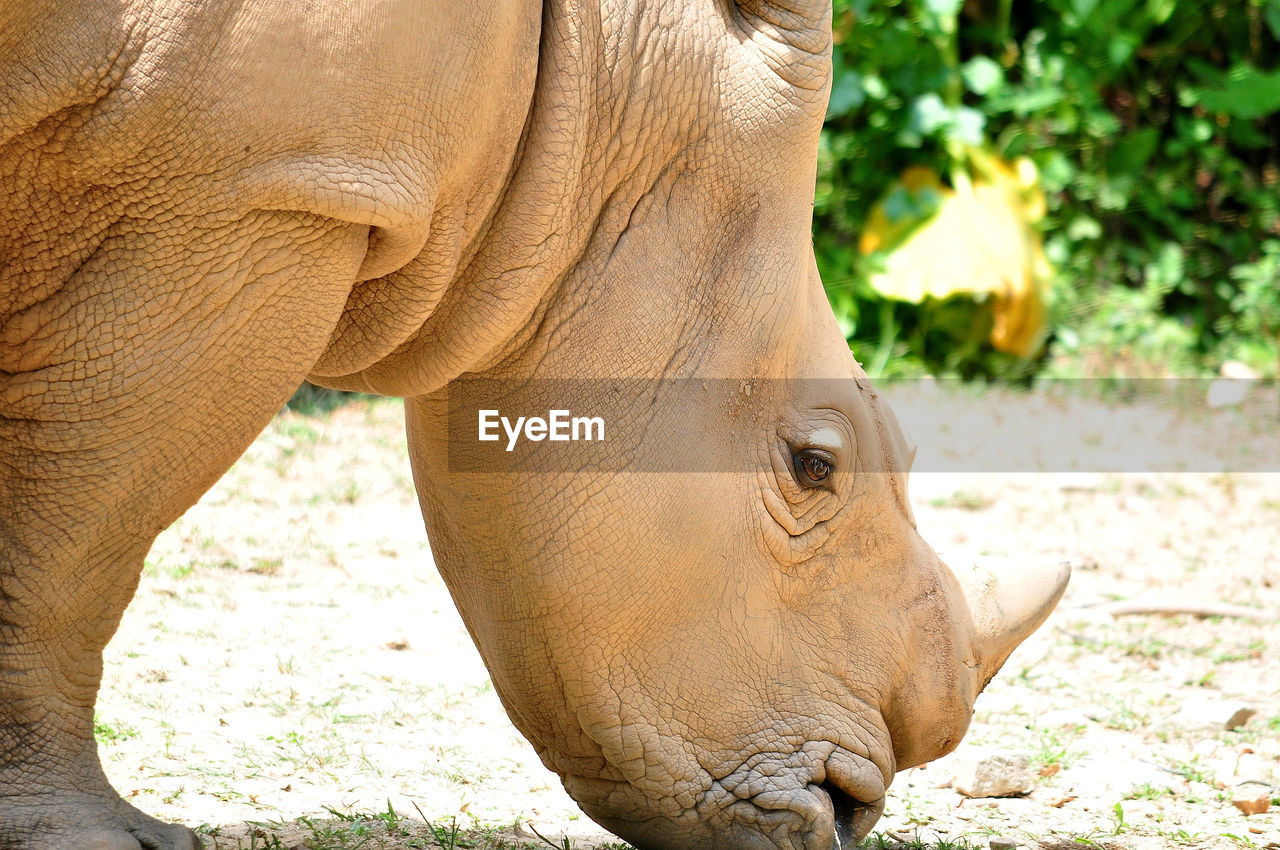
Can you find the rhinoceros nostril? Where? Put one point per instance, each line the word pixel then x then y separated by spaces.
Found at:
pixel 854 818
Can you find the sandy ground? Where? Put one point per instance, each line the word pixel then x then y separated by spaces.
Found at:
pixel 292 665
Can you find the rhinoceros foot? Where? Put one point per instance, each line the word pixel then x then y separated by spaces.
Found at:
pixel 79 822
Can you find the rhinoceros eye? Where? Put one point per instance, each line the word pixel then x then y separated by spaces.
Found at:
pixel 812 467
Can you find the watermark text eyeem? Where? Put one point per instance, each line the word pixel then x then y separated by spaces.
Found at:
pixel 558 426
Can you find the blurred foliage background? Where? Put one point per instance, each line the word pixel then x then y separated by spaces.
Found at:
pixel 1152 130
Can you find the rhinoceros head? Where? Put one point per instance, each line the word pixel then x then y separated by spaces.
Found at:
pixel 718 624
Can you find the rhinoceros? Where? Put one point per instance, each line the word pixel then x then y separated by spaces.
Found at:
pixel 206 203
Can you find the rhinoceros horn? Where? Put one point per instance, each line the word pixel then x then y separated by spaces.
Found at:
pixel 1008 601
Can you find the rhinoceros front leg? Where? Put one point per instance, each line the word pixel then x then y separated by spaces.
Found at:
pixel 125 394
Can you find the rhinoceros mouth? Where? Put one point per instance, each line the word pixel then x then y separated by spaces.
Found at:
pixel 834 810
pixel 853 817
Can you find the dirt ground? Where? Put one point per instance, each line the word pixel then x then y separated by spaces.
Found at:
pixel 292 672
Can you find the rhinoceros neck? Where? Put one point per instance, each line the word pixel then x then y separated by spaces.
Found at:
pixel 588 148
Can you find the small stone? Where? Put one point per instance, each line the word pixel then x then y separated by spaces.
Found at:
pixel 1226 392
pixel 1234 385
pixel 1002 844
pixel 1237 371
pixel 1251 803
pixel 1239 717
pixel 990 774
pixel 1212 715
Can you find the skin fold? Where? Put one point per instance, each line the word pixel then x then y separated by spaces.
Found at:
pixel 206 203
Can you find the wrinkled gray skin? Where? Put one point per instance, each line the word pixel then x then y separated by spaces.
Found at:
pixel 205 203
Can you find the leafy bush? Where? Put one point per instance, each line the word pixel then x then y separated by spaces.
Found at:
pixel 1155 129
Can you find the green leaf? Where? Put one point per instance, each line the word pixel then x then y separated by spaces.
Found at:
pixel 939 16
pixel 1100 124
pixel 1243 92
pixel 943 8
pixel 982 74
pixel 847 94
pixel 1134 151
pixel 1025 102
pixel 1120 47
pixel 929 113
pixel 1166 270
pixel 1083 228
pixel 875 87
pixel 1248 136
pixel 1272 15
pixel 1056 171
pixel 967 125
pixel 1084 8
pixel 1160 10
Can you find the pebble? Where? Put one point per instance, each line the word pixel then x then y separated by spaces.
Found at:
pixel 1209 714
pixel 1233 387
pixel 991 774
pixel 1252 803
pixel 1002 844
pixel 1225 392
pixel 1236 371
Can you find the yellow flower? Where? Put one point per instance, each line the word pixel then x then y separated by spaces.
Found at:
pixel 977 237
